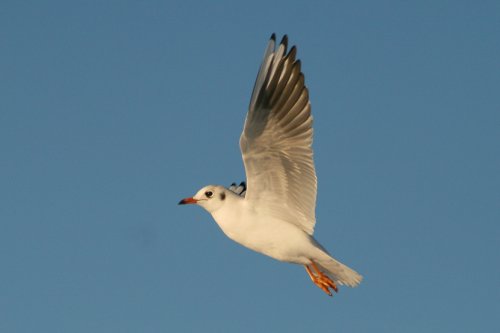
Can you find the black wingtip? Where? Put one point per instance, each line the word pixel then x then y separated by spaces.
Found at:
pixel 292 53
pixel 298 63
pixel 273 37
pixel 284 41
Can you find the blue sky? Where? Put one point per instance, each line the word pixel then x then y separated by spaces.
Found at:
pixel 110 112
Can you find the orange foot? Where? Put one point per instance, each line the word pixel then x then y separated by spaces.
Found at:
pixel 320 279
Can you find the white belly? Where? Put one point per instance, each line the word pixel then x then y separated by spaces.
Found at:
pixel 275 238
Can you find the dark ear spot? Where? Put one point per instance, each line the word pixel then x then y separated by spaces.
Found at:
pixel 223 196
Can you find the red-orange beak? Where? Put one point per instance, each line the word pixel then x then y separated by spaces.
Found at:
pixel 188 201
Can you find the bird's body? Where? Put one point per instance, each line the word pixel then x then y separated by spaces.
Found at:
pixel 262 233
pixel 275 216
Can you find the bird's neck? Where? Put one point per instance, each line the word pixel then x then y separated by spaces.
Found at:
pixel 228 215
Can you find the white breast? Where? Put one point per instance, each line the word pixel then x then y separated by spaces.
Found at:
pixel 263 233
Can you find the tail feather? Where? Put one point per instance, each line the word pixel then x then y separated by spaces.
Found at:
pixel 339 272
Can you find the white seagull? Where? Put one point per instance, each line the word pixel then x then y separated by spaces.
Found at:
pixel 275 214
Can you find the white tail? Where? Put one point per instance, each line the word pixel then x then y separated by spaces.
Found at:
pixel 339 272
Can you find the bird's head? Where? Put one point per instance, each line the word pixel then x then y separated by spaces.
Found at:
pixel 211 198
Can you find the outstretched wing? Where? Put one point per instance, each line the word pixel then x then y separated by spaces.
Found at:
pixel 277 138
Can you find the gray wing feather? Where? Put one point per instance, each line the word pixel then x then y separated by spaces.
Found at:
pixel 277 138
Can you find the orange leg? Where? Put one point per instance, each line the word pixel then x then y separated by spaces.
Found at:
pixel 317 282
pixel 325 278
pixel 321 280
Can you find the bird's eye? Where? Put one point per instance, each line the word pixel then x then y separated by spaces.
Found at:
pixel 209 194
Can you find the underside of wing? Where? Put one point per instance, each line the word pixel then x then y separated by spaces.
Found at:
pixel 277 138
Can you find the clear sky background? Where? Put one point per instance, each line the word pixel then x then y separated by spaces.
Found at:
pixel 112 111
